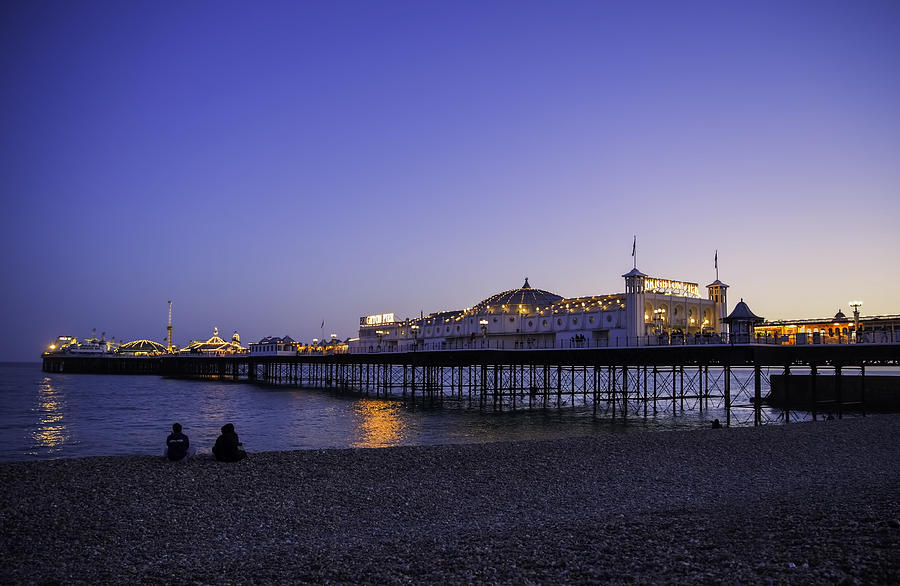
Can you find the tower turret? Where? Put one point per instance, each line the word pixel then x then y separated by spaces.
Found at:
pixel 169 328
pixel 718 292
pixel 634 305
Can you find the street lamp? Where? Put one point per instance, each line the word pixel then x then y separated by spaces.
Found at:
pixel 415 331
pixel 659 316
pixel 484 325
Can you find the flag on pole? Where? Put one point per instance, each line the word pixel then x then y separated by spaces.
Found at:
pixel 323 324
pixel 634 246
pixel 717 260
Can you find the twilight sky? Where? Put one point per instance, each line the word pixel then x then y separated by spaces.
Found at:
pixel 268 165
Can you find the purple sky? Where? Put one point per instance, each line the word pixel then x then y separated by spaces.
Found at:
pixel 269 165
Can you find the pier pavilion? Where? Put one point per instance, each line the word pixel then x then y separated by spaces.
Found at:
pixel 650 310
pixel 840 329
pixel 215 346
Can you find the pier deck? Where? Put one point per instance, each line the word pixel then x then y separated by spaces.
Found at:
pixel 614 382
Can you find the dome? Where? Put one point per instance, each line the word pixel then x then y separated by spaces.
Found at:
pixel 742 312
pixel 142 347
pixel 524 295
pixel 839 316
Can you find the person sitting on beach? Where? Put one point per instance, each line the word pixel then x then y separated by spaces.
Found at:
pixel 178 446
pixel 716 424
pixel 228 448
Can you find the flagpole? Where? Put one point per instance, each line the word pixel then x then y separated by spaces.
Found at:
pixel 634 251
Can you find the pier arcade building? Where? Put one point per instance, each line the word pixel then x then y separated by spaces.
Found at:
pixel 651 309
pixel 840 329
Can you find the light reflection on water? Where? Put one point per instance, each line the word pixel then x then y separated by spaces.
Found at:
pixel 379 423
pixel 51 429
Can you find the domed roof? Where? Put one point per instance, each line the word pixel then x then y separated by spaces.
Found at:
pixel 524 295
pixel 143 346
pixel 742 312
pixel 839 316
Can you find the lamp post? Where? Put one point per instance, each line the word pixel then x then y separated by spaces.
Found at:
pixel 484 325
pixel 855 305
pixel 415 331
pixel 659 316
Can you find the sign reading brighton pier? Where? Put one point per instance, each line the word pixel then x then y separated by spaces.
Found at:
pixel 377 320
pixel 670 287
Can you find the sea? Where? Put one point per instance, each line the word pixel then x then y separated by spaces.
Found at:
pixel 57 415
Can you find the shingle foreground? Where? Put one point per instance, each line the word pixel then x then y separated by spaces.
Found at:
pixel 802 503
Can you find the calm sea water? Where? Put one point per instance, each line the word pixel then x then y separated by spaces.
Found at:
pixel 73 415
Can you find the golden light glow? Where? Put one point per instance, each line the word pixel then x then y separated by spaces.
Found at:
pixel 380 424
pixel 51 430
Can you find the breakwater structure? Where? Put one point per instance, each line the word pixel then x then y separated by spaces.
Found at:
pixel 751 384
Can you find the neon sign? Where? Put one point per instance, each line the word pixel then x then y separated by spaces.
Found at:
pixel 377 320
pixel 670 287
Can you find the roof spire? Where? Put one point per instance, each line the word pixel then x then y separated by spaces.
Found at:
pixel 526 285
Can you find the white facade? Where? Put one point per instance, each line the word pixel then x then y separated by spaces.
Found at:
pixel 651 310
pixel 272 346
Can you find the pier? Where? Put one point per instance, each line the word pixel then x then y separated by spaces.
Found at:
pixel 610 382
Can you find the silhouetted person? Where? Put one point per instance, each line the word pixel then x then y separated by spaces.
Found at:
pixel 716 424
pixel 228 447
pixel 178 446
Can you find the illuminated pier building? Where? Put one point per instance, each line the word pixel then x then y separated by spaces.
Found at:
pixel 649 310
pixel 215 346
pixel 840 329
pixel 143 348
pixel 274 346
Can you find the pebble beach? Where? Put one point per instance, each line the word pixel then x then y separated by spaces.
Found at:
pixel 799 503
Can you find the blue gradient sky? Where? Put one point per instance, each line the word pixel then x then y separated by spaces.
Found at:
pixel 270 165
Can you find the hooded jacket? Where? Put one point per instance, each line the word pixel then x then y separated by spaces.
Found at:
pixel 177 444
pixel 228 447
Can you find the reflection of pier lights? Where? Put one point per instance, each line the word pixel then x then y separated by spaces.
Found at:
pixel 855 305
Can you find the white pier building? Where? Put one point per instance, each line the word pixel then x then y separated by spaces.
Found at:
pixel 651 311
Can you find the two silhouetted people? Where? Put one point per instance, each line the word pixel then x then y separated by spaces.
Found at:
pixel 228 447
pixel 178 446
